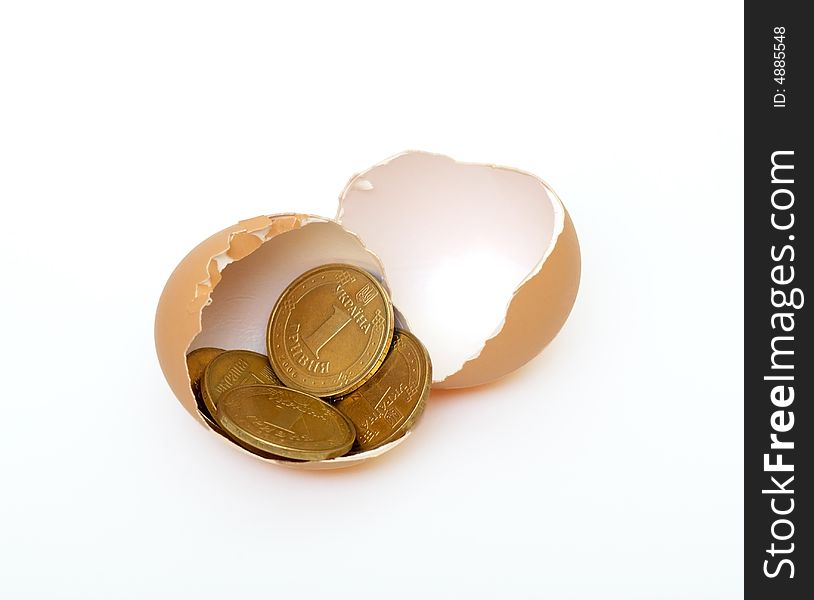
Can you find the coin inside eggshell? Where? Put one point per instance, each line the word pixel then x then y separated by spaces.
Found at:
pixel 330 330
pixel 391 402
pixel 285 423
pixel 230 369
pixel 220 297
pixel 481 263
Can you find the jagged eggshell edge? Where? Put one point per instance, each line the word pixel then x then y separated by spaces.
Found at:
pixel 539 305
pixel 188 291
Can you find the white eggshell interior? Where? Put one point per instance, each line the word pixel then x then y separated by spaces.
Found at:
pixel 456 240
pixel 239 309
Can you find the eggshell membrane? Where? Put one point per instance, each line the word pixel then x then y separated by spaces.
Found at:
pixel 537 312
pixel 222 292
pixel 238 313
pixel 483 260
pixel 187 291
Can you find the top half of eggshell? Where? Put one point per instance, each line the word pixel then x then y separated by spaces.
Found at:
pixel 483 261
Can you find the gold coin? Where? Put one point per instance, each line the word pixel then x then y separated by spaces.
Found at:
pixel 389 404
pixel 196 363
pixel 234 368
pixel 285 422
pixel 330 330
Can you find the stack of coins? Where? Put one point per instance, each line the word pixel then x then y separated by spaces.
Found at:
pixel 339 377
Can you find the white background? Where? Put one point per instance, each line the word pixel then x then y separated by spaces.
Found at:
pixel 609 467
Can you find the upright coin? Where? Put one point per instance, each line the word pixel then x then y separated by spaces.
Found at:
pixel 285 422
pixel 385 407
pixel 330 330
pixel 231 369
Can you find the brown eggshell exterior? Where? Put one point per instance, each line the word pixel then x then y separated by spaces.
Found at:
pixel 536 314
pixel 178 319
pixel 178 316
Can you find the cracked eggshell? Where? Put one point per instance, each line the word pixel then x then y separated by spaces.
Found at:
pixel 483 261
pixel 222 292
